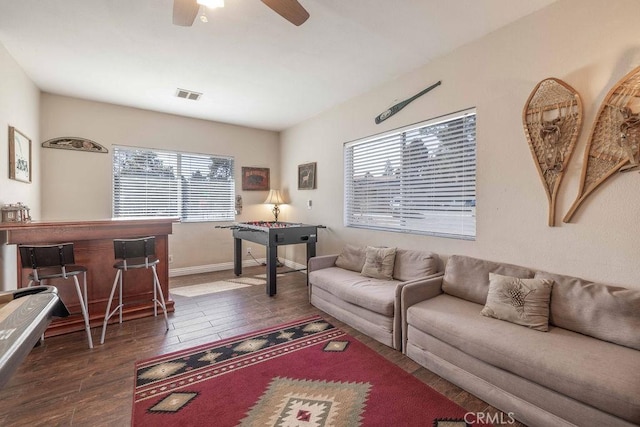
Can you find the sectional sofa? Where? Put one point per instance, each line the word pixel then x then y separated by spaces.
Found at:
pixel 361 287
pixel 482 326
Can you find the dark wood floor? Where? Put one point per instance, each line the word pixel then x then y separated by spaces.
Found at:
pixel 64 383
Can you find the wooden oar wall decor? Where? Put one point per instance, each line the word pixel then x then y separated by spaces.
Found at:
pixel 614 143
pixel 552 119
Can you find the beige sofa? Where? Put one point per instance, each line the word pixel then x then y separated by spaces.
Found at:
pixel 584 371
pixel 341 285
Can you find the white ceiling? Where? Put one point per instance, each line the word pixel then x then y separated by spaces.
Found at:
pixel 254 68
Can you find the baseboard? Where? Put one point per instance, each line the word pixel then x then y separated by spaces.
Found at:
pixel 208 268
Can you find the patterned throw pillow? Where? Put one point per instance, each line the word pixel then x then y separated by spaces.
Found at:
pixel 521 301
pixel 379 263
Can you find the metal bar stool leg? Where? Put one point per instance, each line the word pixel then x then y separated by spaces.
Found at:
pixel 108 313
pixel 120 298
pixel 155 292
pixel 83 307
pixel 161 303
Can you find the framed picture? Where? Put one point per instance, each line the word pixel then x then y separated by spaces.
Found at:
pixel 307 176
pixel 19 156
pixel 255 179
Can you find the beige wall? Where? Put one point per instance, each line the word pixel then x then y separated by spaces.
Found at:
pixel 77 185
pixel 588 43
pixel 19 107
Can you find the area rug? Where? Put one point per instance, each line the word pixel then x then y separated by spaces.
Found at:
pixel 303 373
pixel 218 286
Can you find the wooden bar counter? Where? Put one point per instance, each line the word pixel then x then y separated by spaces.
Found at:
pixel 93 247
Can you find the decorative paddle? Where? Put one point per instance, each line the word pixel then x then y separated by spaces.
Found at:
pixel 400 105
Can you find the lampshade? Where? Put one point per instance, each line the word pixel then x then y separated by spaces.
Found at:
pixel 274 198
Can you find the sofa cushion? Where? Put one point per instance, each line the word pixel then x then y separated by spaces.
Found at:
pixel 363 315
pixel 373 324
pixel 373 294
pixel 351 258
pixel 521 301
pixel 412 264
pixel 606 312
pixel 379 263
pixel 468 278
pixel 595 372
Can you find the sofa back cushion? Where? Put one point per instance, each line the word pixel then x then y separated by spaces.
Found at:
pixel 379 263
pixel 609 313
pixel 351 258
pixel 413 264
pixel 468 278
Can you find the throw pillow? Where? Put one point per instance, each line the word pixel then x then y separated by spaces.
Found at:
pixel 520 301
pixel 351 258
pixel 379 263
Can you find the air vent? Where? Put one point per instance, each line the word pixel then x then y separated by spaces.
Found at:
pixel 188 94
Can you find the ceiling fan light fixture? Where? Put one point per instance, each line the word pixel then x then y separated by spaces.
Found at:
pixel 211 4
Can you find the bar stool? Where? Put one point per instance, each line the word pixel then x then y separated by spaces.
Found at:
pixel 132 254
pixel 53 262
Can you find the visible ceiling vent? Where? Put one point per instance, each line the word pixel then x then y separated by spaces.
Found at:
pixel 188 94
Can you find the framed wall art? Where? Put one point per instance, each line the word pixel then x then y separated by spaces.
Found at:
pixel 19 156
pixel 255 179
pixel 307 176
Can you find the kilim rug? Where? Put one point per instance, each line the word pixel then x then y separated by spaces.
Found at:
pixel 303 373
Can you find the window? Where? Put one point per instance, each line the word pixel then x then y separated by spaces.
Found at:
pixel 420 179
pixel 194 187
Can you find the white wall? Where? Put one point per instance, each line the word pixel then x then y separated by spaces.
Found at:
pixel 77 185
pixel 590 44
pixel 19 107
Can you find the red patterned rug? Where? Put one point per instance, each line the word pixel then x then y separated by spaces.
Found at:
pixel 303 373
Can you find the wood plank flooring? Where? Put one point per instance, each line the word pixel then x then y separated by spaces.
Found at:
pixel 64 383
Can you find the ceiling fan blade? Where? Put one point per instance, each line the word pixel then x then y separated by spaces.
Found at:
pixel 185 12
pixel 290 10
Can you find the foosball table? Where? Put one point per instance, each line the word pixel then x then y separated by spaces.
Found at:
pixel 272 234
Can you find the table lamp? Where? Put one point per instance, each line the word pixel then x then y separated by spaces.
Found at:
pixel 274 198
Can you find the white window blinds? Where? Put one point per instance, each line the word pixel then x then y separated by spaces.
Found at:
pixel 420 179
pixel 194 187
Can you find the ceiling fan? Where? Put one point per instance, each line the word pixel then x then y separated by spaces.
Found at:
pixel 185 11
